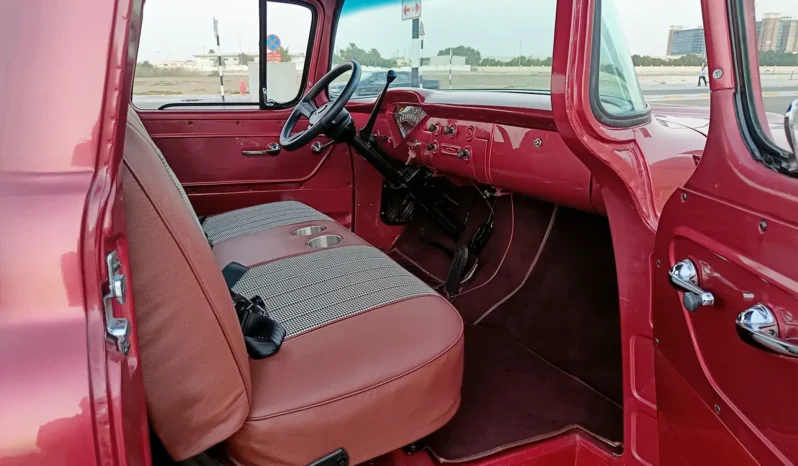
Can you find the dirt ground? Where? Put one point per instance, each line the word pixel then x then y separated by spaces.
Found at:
pixel 497 78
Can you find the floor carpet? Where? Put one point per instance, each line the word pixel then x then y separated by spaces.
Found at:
pixel 511 396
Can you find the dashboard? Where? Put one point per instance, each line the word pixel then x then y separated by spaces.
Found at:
pixel 514 146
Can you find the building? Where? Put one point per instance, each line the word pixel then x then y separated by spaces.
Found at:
pixel 229 60
pixel 768 33
pixel 686 42
pixel 774 33
pixel 444 61
pixel 789 35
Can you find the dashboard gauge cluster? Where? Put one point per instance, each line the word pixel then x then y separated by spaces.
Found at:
pixel 408 117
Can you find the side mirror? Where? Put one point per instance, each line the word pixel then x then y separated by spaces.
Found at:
pixel 791 127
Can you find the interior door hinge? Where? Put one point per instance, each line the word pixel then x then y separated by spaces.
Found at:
pixel 116 289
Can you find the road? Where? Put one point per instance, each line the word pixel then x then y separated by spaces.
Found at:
pixel 777 100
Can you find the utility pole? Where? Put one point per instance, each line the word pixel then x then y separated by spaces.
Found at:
pixel 451 54
pixel 520 52
pixel 219 56
pixel 415 54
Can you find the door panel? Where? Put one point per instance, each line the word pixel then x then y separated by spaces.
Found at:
pixel 206 152
pixel 751 390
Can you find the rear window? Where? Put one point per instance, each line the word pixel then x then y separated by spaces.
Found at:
pixel 462 44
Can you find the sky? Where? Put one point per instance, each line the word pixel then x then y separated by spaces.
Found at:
pixel 178 29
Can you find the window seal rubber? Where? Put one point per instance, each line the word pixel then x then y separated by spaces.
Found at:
pixel 599 112
pixel 763 148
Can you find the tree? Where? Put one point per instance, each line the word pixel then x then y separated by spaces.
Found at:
pixel 473 56
pixel 523 61
pixel 684 60
pixel 285 56
pixel 243 58
pixel 211 51
pixel 370 58
pixel 774 58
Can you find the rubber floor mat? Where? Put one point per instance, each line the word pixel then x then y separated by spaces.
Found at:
pixel 512 396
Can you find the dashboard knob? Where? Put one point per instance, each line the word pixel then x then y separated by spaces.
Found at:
pixel 449 130
pixel 432 147
pixel 434 128
pixel 464 154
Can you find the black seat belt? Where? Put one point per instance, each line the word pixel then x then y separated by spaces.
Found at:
pixel 262 334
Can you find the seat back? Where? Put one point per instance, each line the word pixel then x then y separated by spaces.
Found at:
pixel 195 366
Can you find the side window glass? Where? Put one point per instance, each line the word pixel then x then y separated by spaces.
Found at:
pixel 774 48
pixel 648 55
pixel 285 58
pixel 195 52
pixel 618 90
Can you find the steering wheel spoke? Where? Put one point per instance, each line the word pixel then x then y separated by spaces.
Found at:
pixel 319 118
pixel 306 108
pixel 296 136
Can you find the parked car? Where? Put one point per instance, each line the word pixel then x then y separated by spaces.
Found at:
pixel 372 83
pixel 551 272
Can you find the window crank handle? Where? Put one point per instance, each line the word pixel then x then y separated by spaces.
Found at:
pixel 684 277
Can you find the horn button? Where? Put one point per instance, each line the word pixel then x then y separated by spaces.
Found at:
pixel 319 114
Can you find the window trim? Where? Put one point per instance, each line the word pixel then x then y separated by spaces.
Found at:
pixel 262 50
pixel 262 25
pixel 762 147
pixel 599 112
pixel 339 6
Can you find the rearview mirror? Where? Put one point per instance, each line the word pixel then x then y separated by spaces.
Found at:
pixel 791 128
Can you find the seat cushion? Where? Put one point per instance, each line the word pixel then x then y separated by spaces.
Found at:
pixel 307 291
pixel 258 218
pixel 372 360
pixel 278 243
pixel 369 383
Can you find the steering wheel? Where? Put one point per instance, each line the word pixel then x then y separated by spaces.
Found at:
pixel 319 118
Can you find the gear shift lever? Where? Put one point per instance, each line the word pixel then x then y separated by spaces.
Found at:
pixel 365 133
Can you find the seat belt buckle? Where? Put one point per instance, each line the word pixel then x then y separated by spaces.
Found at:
pixel 254 305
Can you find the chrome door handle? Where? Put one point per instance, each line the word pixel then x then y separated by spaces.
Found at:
pixel 759 323
pixel 684 276
pixel 272 149
pixel 318 148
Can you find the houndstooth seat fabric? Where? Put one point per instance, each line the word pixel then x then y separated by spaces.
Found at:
pixel 311 290
pixel 258 218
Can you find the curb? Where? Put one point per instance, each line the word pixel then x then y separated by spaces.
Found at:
pixel 666 97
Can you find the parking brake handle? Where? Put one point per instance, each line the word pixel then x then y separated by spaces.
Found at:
pixel 365 133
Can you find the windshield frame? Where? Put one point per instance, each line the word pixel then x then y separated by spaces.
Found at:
pixel 601 114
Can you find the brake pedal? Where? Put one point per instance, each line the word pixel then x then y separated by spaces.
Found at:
pixel 456 270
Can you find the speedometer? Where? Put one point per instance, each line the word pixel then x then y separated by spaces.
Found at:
pixel 408 117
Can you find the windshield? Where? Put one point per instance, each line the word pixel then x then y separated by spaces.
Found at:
pixel 461 44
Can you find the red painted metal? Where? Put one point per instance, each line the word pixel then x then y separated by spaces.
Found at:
pixel 73 400
pixel 205 151
pixel 633 187
pixel 504 155
pixel 743 396
pixel 66 397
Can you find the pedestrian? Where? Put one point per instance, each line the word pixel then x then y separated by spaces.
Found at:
pixel 702 77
